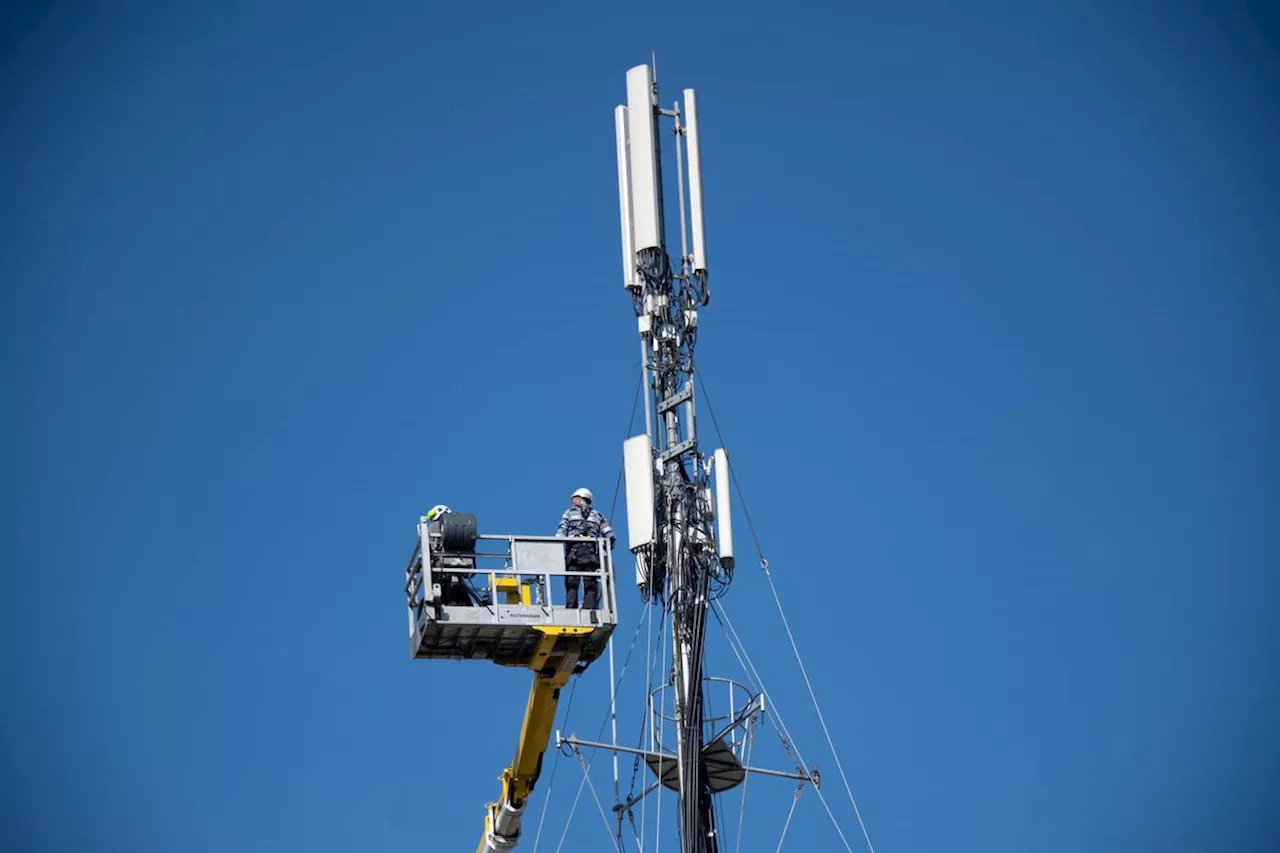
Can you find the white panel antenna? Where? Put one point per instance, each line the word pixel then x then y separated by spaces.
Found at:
pixel 641 130
pixel 724 519
pixel 695 181
pixel 624 197
pixel 637 465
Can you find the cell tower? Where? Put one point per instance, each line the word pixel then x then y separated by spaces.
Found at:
pixel 682 562
pixel 473 596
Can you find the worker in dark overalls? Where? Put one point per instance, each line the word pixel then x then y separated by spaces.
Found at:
pixel 581 520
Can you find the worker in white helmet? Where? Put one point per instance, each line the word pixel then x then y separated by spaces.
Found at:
pixel 583 520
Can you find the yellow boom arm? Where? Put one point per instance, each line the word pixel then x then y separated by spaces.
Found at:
pixel 553 663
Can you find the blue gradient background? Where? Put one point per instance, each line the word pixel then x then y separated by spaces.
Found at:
pixel 992 340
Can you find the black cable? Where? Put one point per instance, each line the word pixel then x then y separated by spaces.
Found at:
pixel 635 404
pixel 733 473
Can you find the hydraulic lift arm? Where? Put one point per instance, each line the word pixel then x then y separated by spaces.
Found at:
pixel 553 663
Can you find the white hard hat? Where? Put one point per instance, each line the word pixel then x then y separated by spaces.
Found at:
pixel 437 511
pixel 584 493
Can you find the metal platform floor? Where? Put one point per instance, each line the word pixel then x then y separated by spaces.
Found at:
pixel 505 634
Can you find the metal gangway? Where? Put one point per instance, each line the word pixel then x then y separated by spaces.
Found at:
pixel 491 597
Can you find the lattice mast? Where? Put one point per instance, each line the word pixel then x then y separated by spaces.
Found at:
pixel 681 562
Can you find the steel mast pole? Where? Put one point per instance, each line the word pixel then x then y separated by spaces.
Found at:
pixel 670 512
pixel 680 556
pixel 683 553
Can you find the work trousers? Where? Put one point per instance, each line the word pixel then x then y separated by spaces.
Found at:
pixel 580 562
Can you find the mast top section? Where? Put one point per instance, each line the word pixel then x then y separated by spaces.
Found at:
pixel 640 194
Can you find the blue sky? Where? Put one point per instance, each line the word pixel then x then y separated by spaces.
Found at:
pixel 992 342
